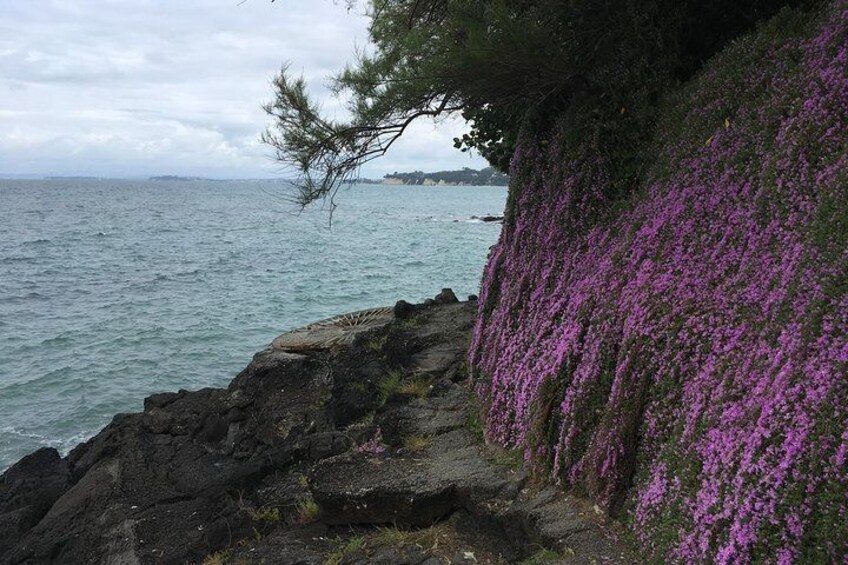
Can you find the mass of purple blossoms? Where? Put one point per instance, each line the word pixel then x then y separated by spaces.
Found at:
pixel 685 361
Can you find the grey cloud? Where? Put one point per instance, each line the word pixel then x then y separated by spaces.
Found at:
pixel 126 87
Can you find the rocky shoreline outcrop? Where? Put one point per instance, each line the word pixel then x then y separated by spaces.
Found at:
pixel 367 450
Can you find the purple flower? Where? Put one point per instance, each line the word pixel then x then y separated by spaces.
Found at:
pixel 694 346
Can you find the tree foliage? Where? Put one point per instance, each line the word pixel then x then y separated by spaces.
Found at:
pixel 502 64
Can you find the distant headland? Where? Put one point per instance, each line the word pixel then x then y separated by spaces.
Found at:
pixel 464 177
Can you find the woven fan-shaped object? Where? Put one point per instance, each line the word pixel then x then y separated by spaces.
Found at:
pixel 338 330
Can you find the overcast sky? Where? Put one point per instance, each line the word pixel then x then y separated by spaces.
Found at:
pixel 126 88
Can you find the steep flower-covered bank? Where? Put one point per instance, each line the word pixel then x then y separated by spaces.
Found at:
pixel 685 359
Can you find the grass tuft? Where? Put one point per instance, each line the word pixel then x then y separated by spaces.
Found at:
pixel 345 548
pixel 418 386
pixel 409 323
pixel 414 444
pixel 217 558
pixel 389 385
pixel 377 344
pixel 426 538
pixel 266 515
pixel 512 458
pixel 475 424
pixel 545 555
pixel 307 510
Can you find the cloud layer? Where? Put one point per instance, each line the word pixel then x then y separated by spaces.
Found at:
pixel 142 87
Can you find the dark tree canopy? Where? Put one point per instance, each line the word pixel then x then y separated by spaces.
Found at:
pixel 502 64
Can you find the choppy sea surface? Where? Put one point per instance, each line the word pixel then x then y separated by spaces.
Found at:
pixel 111 290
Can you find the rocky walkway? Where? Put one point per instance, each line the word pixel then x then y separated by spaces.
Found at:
pixel 365 452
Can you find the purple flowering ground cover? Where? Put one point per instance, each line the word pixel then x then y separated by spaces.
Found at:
pixel 685 361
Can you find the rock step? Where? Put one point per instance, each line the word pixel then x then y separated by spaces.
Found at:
pixel 454 475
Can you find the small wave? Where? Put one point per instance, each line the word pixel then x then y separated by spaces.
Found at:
pixel 22 437
pixel 227 258
pixel 13 430
pixel 67 444
pixel 30 296
pixel 55 341
pixel 193 273
pixel 9 260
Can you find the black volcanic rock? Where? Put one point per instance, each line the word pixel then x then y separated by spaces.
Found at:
pixel 299 455
pixel 446 297
pixel 403 309
pixel 27 492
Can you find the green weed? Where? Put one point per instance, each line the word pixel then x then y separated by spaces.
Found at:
pixel 217 558
pixel 547 556
pixel 307 510
pixel 389 385
pixel 350 546
pixel 418 386
pixel 414 444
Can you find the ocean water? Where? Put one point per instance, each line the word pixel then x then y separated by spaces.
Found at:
pixel 111 290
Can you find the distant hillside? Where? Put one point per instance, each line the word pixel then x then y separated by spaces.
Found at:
pixel 468 177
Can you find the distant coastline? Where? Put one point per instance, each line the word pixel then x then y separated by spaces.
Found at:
pixel 464 177
pixel 177 178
